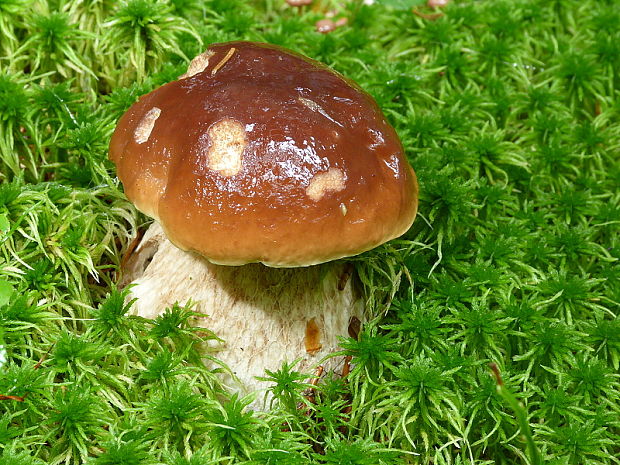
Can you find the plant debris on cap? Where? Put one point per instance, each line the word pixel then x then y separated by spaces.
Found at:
pixel 258 154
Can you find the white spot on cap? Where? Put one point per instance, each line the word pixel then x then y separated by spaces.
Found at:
pixel 343 209
pixel 198 64
pixel 331 180
pixel 227 143
pixel 145 126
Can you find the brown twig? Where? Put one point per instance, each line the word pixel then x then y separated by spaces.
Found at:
pixel 15 398
pixel 130 248
pixel 498 377
pixel 429 16
pixel 310 397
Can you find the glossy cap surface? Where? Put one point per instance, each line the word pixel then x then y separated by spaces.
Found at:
pixel 258 154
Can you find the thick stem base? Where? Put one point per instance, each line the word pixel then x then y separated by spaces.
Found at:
pixel 264 315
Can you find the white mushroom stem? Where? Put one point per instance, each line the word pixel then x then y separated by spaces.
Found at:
pixel 265 316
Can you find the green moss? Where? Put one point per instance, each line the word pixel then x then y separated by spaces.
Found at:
pixel 507 110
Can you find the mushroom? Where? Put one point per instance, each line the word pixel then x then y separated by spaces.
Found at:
pixel 259 166
pixel 325 25
pixel 437 3
pixel 299 3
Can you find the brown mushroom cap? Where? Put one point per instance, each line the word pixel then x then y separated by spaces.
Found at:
pixel 325 25
pixel 258 154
